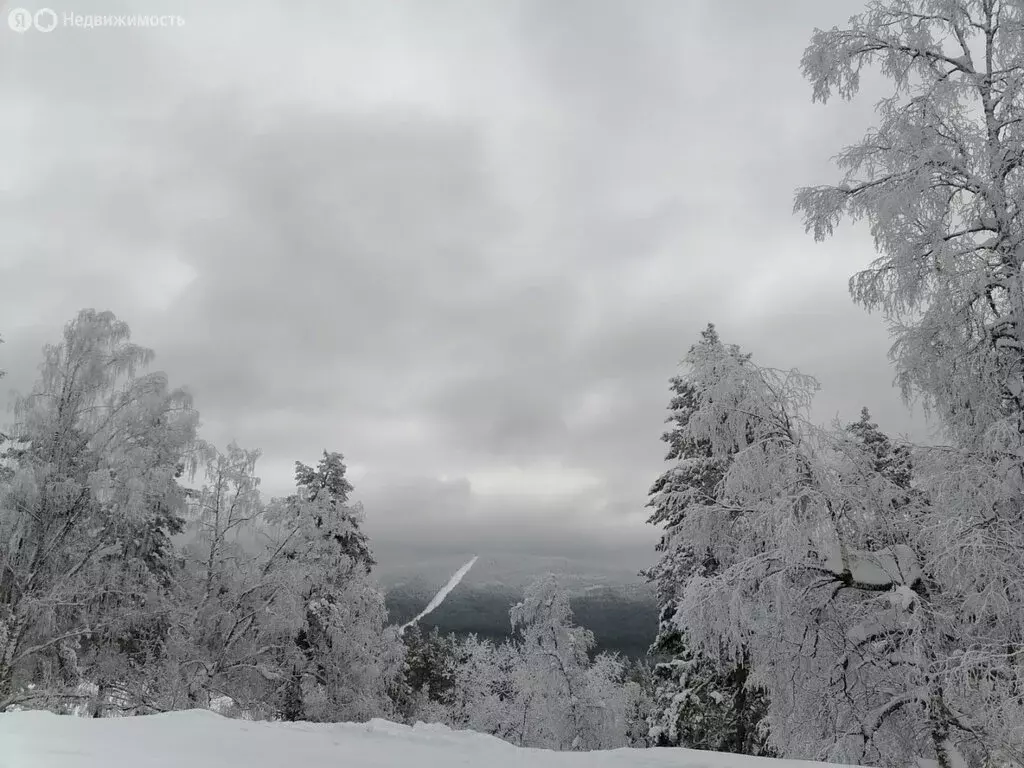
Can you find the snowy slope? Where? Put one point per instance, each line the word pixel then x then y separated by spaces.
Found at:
pixel 201 739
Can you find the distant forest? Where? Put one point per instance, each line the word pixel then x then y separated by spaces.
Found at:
pixel 621 623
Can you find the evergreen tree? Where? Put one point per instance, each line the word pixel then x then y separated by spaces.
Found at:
pixel 325 490
pixel 345 661
pixel 701 701
pixel 698 705
pixel 878 460
pixel 430 662
pixel 891 461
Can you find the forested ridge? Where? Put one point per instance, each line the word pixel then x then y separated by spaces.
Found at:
pixel 621 623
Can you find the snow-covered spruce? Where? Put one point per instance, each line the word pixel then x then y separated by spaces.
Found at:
pixel 702 698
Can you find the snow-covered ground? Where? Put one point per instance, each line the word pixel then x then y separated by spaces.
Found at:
pixel 202 739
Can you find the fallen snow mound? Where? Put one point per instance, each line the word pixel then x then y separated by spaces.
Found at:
pixel 202 739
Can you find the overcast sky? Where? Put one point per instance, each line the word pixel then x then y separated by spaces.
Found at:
pixel 464 243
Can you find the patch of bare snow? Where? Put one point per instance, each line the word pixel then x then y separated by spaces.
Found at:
pixel 204 739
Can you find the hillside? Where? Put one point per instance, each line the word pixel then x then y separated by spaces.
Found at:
pixel 406 566
pixel 623 619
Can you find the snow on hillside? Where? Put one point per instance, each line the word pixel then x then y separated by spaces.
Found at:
pixel 202 739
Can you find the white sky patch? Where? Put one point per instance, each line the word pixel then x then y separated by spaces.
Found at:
pixel 355 472
pixel 802 272
pixel 162 281
pixel 597 406
pixel 15 129
pixel 277 478
pixel 402 431
pixel 653 280
pixel 534 481
pixel 375 58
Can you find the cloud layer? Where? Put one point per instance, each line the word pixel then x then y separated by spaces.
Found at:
pixel 464 245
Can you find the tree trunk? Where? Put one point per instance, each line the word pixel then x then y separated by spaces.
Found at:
pixel 292 709
pixel 98 706
pixel 740 710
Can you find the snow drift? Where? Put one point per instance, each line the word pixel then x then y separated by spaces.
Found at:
pixel 202 739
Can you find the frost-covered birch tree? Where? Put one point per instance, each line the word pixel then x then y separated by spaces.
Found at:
pixel 639 703
pixel 479 690
pixel 89 501
pixel 563 701
pixel 235 607
pixel 939 180
pixel 940 183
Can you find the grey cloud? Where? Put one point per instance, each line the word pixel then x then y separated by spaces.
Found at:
pixel 495 262
pixel 446 518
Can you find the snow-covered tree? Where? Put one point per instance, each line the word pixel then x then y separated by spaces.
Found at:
pixel 638 691
pixel 295 629
pixel 692 479
pixel 346 662
pixel 325 490
pixel 702 700
pixel 540 688
pixel 235 608
pixel 355 658
pixel 875 455
pixel 429 674
pixel 840 586
pixel 702 703
pixel 940 183
pixel 560 700
pixel 610 697
pixel 769 528
pixel 89 501
pixel 482 692
pixel 121 657
pixel 890 460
